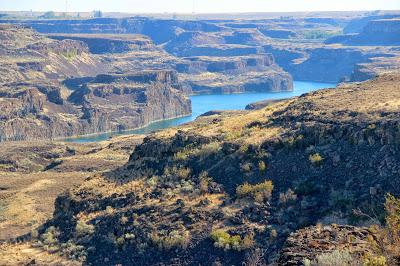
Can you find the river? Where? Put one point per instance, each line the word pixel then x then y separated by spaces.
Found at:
pixel 205 103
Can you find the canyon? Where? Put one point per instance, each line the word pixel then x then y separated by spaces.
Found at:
pixel 303 180
pixel 198 56
pixel 52 89
pixel 300 44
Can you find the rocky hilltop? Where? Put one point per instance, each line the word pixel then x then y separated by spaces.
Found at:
pixel 231 187
pixel 58 88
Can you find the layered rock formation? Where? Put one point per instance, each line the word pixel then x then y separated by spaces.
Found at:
pixel 380 32
pixel 297 42
pixel 257 73
pixel 218 74
pixel 358 24
pixel 108 103
pixel 311 242
pixel 375 67
pixel 332 64
pixel 52 89
pixel 109 43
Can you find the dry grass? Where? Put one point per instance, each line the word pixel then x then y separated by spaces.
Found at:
pixel 24 254
pixel 27 195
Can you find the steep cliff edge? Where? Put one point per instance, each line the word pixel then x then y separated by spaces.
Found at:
pixel 109 43
pixel 231 187
pixel 257 73
pixel 325 63
pixel 108 103
pixel 28 56
pixel 310 48
pixel 376 66
pixel 384 32
pixel 57 88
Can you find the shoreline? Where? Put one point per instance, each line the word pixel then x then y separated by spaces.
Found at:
pixel 61 139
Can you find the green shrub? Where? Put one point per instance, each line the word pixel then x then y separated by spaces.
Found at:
pixel 386 242
pixel 109 210
pixel 73 251
pixel 183 172
pixel 316 159
pixel 153 181
pixel 83 229
pixel 181 155
pixel 70 54
pixel 230 136
pixel 259 192
pixel 244 148
pixel 124 220
pixel 319 34
pixel 207 150
pixel 246 167
pixel 175 239
pixel 50 239
pixel 375 261
pixel 273 234
pixel 261 166
pixel 224 240
pixel 180 172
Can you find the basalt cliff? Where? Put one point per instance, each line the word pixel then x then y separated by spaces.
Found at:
pixel 58 88
pixel 308 47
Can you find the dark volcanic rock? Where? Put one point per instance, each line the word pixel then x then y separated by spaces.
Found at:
pixel 310 242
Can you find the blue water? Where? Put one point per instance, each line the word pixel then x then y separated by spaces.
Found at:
pixel 205 103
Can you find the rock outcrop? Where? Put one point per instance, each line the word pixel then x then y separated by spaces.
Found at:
pixel 381 32
pixel 109 43
pixel 258 73
pixel 377 66
pixel 326 64
pixel 358 24
pixel 262 104
pixel 108 103
pixel 300 44
pixel 57 88
pixel 308 243
pixel 331 64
